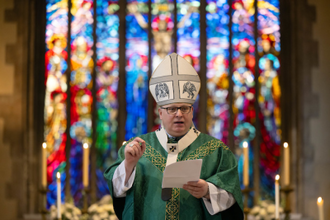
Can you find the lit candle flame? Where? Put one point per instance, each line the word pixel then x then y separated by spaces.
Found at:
pixel 85 145
pixel 286 144
pixel 277 177
pixel 44 145
pixel 245 144
pixel 319 200
pixel 58 175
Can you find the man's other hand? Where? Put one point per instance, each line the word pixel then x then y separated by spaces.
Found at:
pixel 198 189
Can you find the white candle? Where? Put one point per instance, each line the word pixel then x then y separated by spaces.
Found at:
pixel 286 161
pixel 277 197
pixel 58 195
pixel 320 205
pixel 44 165
pixel 85 165
pixel 246 164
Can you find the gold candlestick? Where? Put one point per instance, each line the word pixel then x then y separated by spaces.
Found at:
pixel 85 168
pixel 59 200
pixel 287 208
pixel 320 206
pixel 246 164
pixel 43 191
pixel 85 194
pixel 43 188
pixel 246 192
pixel 44 165
pixel 286 164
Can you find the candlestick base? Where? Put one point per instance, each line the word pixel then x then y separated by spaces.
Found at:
pixel 43 211
pixel 246 211
pixel 287 208
pixel 246 193
pixel 85 194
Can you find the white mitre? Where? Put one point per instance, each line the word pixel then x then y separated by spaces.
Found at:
pixel 174 81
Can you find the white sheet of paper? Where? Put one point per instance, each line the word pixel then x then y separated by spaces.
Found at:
pixel 179 173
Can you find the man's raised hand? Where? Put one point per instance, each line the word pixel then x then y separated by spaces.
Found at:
pixel 134 151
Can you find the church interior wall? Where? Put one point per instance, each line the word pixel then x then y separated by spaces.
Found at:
pixel 316 172
pixel 10 113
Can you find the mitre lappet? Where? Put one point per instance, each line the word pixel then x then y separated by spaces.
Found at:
pixel 174 81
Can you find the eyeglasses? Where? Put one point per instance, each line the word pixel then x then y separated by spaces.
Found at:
pixel 173 110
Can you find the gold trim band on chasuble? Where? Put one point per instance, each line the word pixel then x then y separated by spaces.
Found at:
pixel 151 154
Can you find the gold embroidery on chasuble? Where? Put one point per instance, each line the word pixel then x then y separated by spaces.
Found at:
pixel 204 150
pixel 173 205
pixel 155 157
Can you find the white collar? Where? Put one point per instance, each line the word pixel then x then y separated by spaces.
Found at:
pixel 183 143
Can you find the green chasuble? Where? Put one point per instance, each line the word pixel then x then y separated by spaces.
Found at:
pixel 143 200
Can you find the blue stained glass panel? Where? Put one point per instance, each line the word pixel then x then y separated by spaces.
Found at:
pixel 217 56
pixel 107 78
pixel 136 69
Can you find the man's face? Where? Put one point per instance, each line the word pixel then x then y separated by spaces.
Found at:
pixel 177 124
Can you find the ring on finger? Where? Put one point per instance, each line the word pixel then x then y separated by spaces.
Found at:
pixel 131 145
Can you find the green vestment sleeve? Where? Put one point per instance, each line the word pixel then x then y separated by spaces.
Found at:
pixel 118 203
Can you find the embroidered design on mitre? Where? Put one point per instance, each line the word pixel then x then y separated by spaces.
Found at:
pixel 162 92
pixel 190 89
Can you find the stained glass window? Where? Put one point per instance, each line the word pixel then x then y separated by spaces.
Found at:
pixel 270 92
pixel 188 35
pixel 242 57
pixel 243 61
pixel 107 78
pixel 137 51
pixel 81 85
pixel 55 94
pixel 217 21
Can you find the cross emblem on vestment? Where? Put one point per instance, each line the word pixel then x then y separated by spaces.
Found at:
pixel 172 148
